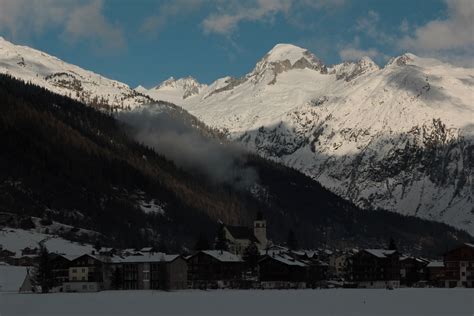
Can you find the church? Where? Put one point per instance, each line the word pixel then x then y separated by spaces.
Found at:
pixel 240 237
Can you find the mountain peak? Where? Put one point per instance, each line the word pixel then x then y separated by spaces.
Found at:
pixel 402 60
pixel 282 52
pixel 282 58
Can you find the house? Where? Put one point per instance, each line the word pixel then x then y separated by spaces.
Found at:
pixel 152 271
pixel 338 263
pixel 240 237
pixel 282 271
pixel 5 254
pixel 317 272
pixel 412 270
pixel 214 268
pixel 459 266
pixel 29 251
pixel 376 268
pixel 87 273
pixel 60 269
pixel 435 273
pixel 22 260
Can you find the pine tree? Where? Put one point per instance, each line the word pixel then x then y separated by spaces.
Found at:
pixel 202 243
pixel 292 242
pixel 251 255
pixel 221 243
pixel 43 272
pixel 392 245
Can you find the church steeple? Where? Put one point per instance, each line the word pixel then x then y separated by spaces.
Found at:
pixel 260 230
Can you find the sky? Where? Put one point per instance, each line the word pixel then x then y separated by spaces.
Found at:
pixel 146 41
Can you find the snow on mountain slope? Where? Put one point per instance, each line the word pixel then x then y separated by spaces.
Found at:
pixel 174 90
pixel 399 138
pixel 15 240
pixel 53 74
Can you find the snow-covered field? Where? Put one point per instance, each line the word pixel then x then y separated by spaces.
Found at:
pixel 257 302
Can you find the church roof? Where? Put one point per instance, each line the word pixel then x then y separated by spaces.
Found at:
pixel 241 232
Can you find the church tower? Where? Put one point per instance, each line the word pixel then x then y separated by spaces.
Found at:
pixel 260 230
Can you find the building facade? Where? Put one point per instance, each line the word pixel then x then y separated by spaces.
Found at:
pixel 459 266
pixel 376 268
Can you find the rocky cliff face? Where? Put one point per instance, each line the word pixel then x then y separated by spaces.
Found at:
pixel 399 138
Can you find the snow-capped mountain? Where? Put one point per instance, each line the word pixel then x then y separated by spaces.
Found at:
pixel 44 70
pixel 174 90
pixel 399 137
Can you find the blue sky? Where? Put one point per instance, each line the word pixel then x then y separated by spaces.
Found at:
pixel 145 42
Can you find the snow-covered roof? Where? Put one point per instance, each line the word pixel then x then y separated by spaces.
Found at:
pixel 436 264
pixel 223 256
pixel 155 257
pixel 146 249
pixel 286 259
pixel 380 253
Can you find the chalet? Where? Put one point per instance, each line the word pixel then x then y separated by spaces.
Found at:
pixel 376 268
pixel 86 274
pixel 29 251
pixel 240 237
pixel 5 254
pixel 435 273
pixel 107 251
pixel 282 271
pixel 60 269
pixel 214 268
pixel 338 263
pixel 22 260
pixel 151 271
pixel 459 266
pixel 412 270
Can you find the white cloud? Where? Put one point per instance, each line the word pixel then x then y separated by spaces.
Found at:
pixel 351 53
pixel 154 23
pixel 324 4
pixel 226 20
pixel 79 20
pixel 451 38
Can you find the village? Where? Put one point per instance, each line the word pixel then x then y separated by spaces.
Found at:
pixel 247 261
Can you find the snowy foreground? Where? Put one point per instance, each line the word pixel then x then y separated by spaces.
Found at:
pixel 254 302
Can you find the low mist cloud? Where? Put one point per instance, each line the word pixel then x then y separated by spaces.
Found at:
pixel 189 149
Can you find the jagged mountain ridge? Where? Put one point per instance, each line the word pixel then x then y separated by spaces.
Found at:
pixel 398 137
pixel 47 71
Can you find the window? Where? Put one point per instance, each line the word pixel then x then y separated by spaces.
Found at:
pixel 83 270
pixel 84 286
pixel 146 275
pixel 74 270
pixel 91 286
pixel 74 278
pixel 83 278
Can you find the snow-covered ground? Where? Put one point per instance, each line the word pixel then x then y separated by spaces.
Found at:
pixel 15 240
pixel 279 302
pixel 11 278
